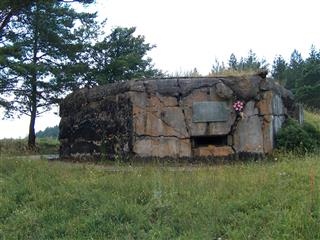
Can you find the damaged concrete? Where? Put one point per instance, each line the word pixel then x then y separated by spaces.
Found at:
pixel 155 118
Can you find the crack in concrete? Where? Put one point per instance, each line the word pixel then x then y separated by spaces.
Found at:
pixel 179 100
pixel 167 124
pixel 164 136
pixel 161 122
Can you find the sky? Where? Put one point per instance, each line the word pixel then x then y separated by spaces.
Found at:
pixel 191 34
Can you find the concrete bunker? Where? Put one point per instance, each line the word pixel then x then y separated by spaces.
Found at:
pixel 175 117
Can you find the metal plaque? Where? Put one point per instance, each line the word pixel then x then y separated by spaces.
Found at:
pixel 210 112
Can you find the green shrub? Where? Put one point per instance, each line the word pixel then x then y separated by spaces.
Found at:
pixel 313 132
pixel 298 138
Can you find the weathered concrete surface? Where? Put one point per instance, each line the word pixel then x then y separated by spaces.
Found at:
pixel 248 135
pixel 154 118
pixel 268 133
pixel 103 126
pixel 154 123
pixel 211 128
pixel 223 91
pixel 265 104
pixel 250 109
pixel 214 151
pixel 274 112
pixel 162 147
pixel 246 87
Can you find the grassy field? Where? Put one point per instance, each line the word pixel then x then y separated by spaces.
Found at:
pixel 278 198
pixel 19 146
pixel 274 199
pixel 313 118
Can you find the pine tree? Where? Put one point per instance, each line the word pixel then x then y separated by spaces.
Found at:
pixel 279 69
pixel 307 87
pixel 11 8
pixel 251 62
pixel 233 62
pixel 311 69
pixel 295 74
pixel 218 67
pixel 121 56
pixel 41 42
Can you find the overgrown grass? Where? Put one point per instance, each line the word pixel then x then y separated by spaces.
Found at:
pixel 19 146
pixel 313 117
pixel 234 73
pixel 274 199
pixel 278 198
pixel 298 138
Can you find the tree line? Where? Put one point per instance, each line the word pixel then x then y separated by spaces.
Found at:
pixel 49 132
pixel 301 76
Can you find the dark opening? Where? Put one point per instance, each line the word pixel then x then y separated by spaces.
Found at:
pixel 203 141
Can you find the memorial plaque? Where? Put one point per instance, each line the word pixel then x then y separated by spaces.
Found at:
pixel 210 112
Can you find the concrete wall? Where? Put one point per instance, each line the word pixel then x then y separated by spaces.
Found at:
pixel 155 118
